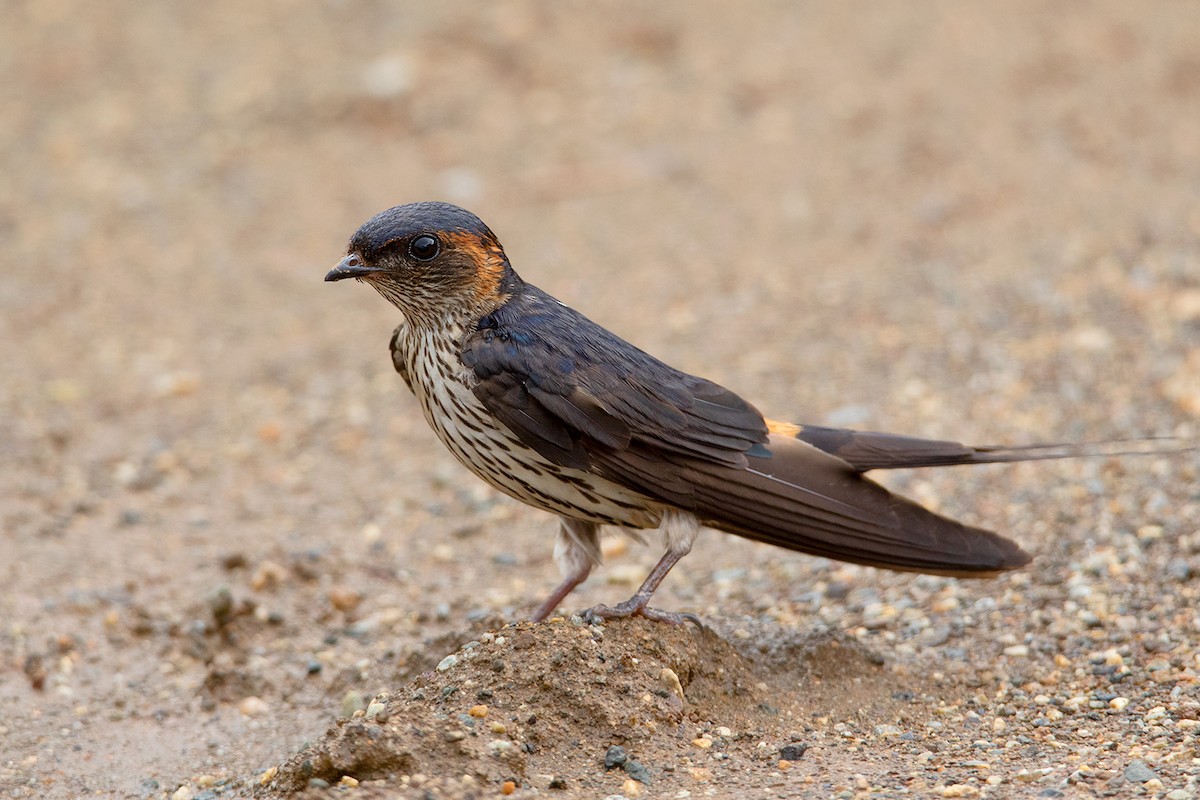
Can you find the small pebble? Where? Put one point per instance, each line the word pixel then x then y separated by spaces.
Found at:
pixel 670 681
pixel 343 599
pixel 1179 570
pixel 1150 533
pixel 615 757
pixel 176 384
pixel 447 662
pixel 479 712
pixel 792 752
pixel 878 615
pixel 637 771
pixel 353 701
pixel 253 706
pixel 220 605
pixel 614 547
pixel 1031 776
pixel 268 576
pixel 1138 772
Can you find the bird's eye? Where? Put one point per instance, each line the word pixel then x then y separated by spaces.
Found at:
pixel 424 247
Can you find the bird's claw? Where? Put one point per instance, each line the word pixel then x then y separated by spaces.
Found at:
pixel 597 615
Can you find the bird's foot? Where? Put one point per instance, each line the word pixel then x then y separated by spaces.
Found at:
pixel 634 607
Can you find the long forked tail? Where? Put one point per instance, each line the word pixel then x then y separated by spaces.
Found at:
pixel 867 450
pixel 794 495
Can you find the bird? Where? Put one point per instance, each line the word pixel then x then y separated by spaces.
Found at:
pixel 560 413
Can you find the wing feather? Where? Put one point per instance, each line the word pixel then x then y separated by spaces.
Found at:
pixel 585 414
pixel 550 375
pixel 803 499
pixel 587 400
pixel 509 400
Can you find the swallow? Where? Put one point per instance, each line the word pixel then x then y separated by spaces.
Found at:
pixel 558 412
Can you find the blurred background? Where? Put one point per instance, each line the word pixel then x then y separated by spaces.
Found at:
pixel 958 220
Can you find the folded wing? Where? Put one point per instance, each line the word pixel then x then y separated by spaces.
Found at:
pixel 796 496
pixel 585 399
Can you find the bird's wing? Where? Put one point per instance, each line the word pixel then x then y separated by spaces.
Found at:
pixel 793 495
pixel 585 399
pixel 572 390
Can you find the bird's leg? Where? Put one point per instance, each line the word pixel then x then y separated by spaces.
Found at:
pixel 560 592
pixel 680 528
pixel 576 551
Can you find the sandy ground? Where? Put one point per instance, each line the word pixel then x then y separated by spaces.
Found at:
pixel 234 560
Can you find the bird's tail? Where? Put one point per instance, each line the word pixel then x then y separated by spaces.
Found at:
pixel 867 450
pixel 794 495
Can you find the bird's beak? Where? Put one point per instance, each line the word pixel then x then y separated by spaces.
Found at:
pixel 351 266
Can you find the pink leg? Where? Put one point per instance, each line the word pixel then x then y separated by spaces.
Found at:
pixel 680 529
pixel 559 594
pixel 577 550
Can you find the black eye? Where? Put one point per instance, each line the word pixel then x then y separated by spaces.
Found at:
pixel 424 247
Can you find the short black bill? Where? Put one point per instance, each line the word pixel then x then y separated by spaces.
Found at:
pixel 352 266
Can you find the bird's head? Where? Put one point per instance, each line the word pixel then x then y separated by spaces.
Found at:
pixel 433 261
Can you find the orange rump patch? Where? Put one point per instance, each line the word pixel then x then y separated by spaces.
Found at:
pixel 784 428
